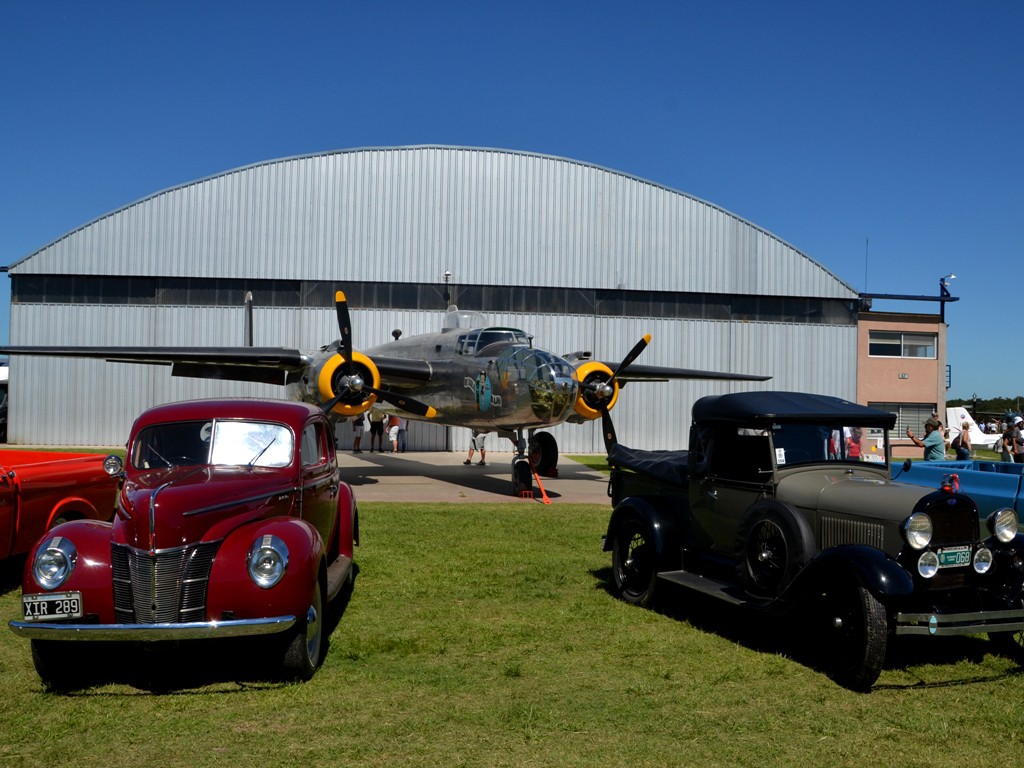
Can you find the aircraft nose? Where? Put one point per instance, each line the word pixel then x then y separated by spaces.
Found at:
pixel 552 395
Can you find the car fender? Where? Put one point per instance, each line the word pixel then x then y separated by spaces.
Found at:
pixel 75 507
pixel 231 592
pixel 881 574
pixel 348 520
pixel 664 528
pixel 91 574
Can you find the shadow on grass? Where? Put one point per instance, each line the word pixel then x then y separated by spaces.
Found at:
pixel 171 668
pixel 787 633
pixel 10 573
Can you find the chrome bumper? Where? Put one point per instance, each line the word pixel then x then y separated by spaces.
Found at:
pixel 197 630
pixel 959 623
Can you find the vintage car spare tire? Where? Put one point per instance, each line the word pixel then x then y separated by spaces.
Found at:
pixel 772 544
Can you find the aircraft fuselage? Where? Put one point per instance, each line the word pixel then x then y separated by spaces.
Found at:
pixel 487 378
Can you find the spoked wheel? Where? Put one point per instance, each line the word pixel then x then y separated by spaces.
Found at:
pixel 767 556
pixel 634 562
pixel 854 632
pixel 771 548
pixel 304 653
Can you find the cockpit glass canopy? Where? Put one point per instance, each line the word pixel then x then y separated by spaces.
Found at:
pixel 480 338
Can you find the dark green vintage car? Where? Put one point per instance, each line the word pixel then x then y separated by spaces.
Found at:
pixel 784 501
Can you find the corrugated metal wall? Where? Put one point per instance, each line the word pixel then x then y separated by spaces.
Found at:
pixel 407 214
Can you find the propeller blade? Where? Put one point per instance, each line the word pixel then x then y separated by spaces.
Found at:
pixel 608 429
pixel 409 404
pixel 634 353
pixel 627 361
pixel 344 325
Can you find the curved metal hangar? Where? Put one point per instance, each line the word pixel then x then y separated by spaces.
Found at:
pixel 582 258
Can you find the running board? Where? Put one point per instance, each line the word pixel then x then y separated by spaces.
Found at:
pixel 337 575
pixel 720 590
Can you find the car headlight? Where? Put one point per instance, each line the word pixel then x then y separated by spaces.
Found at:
pixel 113 465
pixel 917 530
pixel 983 560
pixel 928 564
pixel 54 562
pixel 1003 524
pixel 268 560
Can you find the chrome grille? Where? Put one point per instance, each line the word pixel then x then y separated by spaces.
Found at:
pixel 169 586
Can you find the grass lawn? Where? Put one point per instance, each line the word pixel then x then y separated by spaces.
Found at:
pixel 486 637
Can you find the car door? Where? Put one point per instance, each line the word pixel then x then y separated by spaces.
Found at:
pixel 735 471
pixel 319 478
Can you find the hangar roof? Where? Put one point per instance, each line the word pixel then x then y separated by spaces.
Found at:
pixel 490 216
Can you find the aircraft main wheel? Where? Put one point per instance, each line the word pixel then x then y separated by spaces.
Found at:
pixel 522 478
pixel 544 453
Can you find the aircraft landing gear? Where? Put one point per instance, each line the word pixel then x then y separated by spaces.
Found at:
pixel 522 478
pixel 522 469
pixel 544 453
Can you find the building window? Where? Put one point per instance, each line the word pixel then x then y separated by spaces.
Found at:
pixel 899 344
pixel 611 302
pixel 912 415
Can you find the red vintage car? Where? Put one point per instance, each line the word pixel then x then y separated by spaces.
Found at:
pixel 231 522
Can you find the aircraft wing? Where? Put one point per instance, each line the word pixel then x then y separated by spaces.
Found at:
pixel 659 373
pixel 268 365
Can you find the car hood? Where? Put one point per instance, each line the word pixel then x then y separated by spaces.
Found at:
pixel 853 493
pixel 172 507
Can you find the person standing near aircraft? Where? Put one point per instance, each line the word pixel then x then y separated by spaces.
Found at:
pixel 403 429
pixel 1013 442
pixel 376 430
pixel 477 444
pixel 962 442
pixel 933 443
pixel 393 425
pixel 358 425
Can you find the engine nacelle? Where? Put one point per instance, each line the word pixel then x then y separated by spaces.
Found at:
pixel 588 404
pixel 329 382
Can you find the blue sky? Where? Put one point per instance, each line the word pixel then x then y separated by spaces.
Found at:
pixel 882 139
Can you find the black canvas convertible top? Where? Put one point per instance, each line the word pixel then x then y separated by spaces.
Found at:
pixel 765 408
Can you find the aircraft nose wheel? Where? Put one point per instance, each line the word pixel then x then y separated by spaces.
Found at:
pixel 522 478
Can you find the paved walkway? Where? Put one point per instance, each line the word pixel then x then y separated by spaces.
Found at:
pixel 428 476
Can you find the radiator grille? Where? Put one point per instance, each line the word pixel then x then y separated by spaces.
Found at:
pixel 169 586
pixel 953 523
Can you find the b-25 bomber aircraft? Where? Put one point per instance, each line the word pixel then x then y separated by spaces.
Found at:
pixel 472 375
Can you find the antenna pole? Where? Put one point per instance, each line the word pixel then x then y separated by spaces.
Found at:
pixel 248 319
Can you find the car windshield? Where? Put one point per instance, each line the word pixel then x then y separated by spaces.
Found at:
pixel 816 443
pixel 218 442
